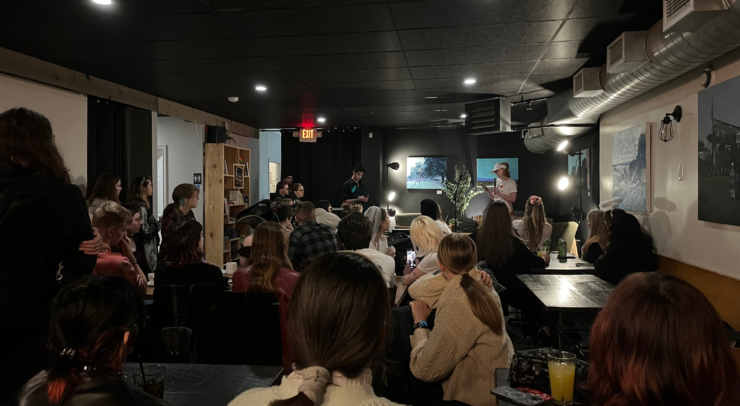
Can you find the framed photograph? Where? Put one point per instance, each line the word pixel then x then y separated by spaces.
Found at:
pixel 485 175
pixel 631 168
pixel 238 172
pixel 580 172
pixel 426 172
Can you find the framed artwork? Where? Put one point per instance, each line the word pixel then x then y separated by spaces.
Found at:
pixel 719 153
pixel 485 175
pixel 631 168
pixel 239 172
pixel 585 168
pixel 426 172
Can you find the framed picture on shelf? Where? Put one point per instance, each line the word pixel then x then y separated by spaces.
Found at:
pixel 238 172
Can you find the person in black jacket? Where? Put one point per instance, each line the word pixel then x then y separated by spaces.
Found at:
pixel 92 346
pixel 46 242
pixel 183 264
pixel 148 236
pixel 629 250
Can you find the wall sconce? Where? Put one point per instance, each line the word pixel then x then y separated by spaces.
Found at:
pixel 666 125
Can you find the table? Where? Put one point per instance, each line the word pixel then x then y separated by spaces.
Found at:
pixel 569 266
pixel 201 384
pixel 401 290
pixel 569 293
pixel 149 295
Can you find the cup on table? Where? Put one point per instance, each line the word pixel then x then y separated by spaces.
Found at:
pixel 562 367
pixel 230 267
pixel 153 380
pixel 150 276
pixel 542 251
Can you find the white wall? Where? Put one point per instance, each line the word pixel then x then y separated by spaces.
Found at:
pixel 255 168
pixel 184 142
pixel 270 151
pixel 674 222
pixel 67 112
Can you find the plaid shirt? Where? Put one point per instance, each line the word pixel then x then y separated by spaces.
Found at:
pixel 310 240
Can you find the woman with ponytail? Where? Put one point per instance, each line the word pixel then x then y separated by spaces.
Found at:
pixel 533 227
pixel 93 328
pixel 469 340
pixel 338 324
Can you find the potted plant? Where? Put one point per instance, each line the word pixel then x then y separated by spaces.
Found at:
pixel 461 192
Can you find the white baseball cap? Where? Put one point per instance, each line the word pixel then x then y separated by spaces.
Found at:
pixel 499 166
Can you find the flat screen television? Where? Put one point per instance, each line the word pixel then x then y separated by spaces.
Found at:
pixel 485 175
pixel 426 172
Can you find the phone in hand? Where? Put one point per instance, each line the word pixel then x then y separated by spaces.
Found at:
pixel 516 397
pixel 411 258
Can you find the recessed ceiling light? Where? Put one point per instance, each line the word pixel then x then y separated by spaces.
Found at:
pixel 260 88
pixel 469 81
pixel 440 110
pixel 463 115
pixel 233 99
pixel 432 97
pixel 321 120
pixel 103 2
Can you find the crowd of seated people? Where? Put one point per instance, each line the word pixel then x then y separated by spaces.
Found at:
pixel 76 301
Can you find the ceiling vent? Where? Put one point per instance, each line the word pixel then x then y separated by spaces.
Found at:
pixel 689 15
pixel 586 83
pixel 626 53
pixel 488 117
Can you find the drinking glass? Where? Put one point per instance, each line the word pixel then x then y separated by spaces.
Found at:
pixel 562 367
pixel 154 384
pixel 542 251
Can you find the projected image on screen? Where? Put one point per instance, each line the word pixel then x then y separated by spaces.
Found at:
pixel 425 172
pixel 486 165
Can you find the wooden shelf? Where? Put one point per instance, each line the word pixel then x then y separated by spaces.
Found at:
pixel 227 252
pixel 228 176
pixel 238 204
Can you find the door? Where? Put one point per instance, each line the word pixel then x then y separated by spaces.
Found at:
pixel 274 170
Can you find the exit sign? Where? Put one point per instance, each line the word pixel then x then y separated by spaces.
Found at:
pixel 307 134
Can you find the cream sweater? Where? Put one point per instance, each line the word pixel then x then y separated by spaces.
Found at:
pixel 461 351
pixel 352 393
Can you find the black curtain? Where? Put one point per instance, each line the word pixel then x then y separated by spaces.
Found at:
pixel 321 167
pixel 106 141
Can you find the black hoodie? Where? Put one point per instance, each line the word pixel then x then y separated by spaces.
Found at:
pixel 43 220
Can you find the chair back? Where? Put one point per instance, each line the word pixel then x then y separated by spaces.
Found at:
pixel 247 330
pixel 392 291
pixel 564 230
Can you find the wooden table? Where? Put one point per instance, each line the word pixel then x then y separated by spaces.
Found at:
pixel 569 293
pixel 201 384
pixel 401 290
pixel 569 266
pixel 149 295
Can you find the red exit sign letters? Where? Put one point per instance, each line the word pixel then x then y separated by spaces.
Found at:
pixel 307 134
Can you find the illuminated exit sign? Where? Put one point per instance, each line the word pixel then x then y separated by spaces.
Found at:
pixel 307 134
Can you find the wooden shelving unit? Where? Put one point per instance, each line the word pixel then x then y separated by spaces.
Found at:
pixel 218 186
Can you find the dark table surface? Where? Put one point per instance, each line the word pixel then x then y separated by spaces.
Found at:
pixel 201 384
pixel 569 293
pixel 569 266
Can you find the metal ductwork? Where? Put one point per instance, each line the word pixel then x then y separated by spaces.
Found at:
pixel 669 55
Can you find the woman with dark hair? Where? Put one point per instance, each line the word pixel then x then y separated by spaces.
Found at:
pixel 106 190
pixel 629 250
pixel 134 229
pixel 185 198
pixel 141 190
pixel 269 271
pixel 533 227
pixel 431 209
pixel 297 191
pixel 338 325
pixel 469 339
pixel 184 264
pixel 659 342
pixel 35 180
pixel 94 325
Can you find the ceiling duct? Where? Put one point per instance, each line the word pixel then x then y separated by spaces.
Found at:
pixel 587 83
pixel 626 53
pixel 689 15
pixel 669 55
pixel 488 117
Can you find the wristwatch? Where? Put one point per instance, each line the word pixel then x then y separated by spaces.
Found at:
pixel 421 324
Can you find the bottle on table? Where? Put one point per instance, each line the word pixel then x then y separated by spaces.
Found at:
pixel 562 249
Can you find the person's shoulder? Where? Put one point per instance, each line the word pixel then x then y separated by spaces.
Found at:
pixel 256 397
pixel 70 190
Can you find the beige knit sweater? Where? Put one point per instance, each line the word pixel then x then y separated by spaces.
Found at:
pixel 460 350
pixel 354 393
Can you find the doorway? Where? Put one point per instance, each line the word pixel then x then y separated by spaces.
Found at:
pixel 274 174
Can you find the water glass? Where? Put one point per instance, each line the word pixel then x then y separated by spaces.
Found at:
pixel 154 382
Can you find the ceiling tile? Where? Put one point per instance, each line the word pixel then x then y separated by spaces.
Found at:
pixel 596 8
pixel 256 5
pixel 461 56
pixel 310 21
pixel 455 13
pixel 40 32
pixel 562 50
pixel 377 102
pixel 218 48
pixel 377 60
pixel 219 65
pixel 353 75
pixel 379 85
pixel 370 94
pixel 580 29
pixel 383 109
pixel 329 44
pixel 500 85
pixel 566 67
pixel 524 33
pixel 476 71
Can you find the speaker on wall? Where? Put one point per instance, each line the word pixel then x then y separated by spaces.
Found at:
pixel 216 135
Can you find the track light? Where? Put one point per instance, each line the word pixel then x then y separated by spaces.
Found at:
pixel 562 145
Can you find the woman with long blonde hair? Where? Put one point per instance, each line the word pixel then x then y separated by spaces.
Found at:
pixel 425 237
pixel 469 337
pixel 595 246
pixel 533 227
pixel 269 271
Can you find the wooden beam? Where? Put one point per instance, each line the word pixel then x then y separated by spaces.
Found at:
pixel 26 67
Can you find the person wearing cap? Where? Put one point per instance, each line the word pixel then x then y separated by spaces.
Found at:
pixel 504 189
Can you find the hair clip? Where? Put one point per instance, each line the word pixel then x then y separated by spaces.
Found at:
pixel 67 352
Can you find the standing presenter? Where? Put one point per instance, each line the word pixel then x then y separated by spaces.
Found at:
pixel 504 189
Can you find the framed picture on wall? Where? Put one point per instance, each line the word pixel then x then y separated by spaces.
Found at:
pixel 580 173
pixel 631 168
pixel 426 172
pixel 485 175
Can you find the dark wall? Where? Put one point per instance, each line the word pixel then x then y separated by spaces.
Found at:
pixel 139 138
pixel 372 160
pixel 400 144
pixel 538 173
pixel 590 198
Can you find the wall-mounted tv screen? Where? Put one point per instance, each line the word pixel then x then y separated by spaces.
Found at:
pixel 486 165
pixel 426 172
